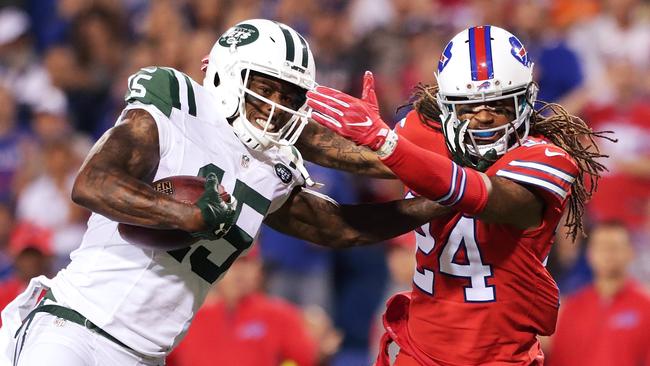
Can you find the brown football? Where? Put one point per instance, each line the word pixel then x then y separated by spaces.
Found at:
pixel 183 188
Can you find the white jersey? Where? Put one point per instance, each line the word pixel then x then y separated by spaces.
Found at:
pixel 147 298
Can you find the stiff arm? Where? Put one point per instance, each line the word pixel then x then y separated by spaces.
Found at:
pixel 314 217
pixel 322 146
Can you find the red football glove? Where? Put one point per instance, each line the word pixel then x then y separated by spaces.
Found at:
pixel 356 119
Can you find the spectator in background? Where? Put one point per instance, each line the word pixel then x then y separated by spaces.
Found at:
pixel 31 252
pixel 617 33
pixel 20 68
pixel 6 226
pixel 46 202
pixel 628 115
pixel 606 323
pixel 385 50
pixel 50 123
pixel 330 41
pixel 84 67
pixel 558 70
pixel 15 149
pixel 239 325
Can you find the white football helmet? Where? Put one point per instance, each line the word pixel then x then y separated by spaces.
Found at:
pixel 270 48
pixel 484 64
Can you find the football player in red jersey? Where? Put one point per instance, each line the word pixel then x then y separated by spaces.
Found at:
pixel 475 142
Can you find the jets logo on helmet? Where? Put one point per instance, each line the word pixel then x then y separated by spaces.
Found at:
pixel 239 35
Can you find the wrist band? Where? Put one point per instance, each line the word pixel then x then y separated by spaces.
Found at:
pixel 388 146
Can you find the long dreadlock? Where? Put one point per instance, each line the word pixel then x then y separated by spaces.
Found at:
pixel 561 128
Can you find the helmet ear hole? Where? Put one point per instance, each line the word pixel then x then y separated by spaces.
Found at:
pixel 216 80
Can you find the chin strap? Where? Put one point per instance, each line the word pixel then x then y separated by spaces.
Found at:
pixel 295 158
pixel 455 140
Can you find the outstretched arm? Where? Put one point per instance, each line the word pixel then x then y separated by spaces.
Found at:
pixel 495 199
pixel 320 145
pixel 114 179
pixel 317 218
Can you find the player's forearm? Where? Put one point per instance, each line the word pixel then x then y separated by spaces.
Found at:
pixel 438 178
pixel 323 147
pixel 313 217
pixel 125 199
pixel 371 223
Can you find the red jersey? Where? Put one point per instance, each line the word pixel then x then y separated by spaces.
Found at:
pixel 481 292
pixel 595 331
pixel 260 331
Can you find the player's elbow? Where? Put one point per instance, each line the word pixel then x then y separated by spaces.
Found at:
pixel 82 192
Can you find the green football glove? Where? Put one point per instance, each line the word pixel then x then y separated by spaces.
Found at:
pixel 219 215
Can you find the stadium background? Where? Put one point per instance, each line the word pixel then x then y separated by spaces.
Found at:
pixel 63 71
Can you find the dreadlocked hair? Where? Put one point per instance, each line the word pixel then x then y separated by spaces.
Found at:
pixel 566 131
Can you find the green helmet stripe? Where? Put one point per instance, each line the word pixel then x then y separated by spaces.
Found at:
pixel 291 48
pixel 305 52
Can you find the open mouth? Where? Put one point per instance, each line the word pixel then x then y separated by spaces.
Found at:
pixel 261 123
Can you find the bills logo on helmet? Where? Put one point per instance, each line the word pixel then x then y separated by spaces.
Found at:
pixel 239 35
pixel 518 51
pixel 484 85
pixel 444 58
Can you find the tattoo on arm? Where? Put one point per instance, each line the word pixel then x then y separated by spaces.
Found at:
pixel 323 147
pixel 114 179
pixel 316 218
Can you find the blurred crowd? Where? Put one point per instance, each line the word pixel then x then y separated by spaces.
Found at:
pixel 63 73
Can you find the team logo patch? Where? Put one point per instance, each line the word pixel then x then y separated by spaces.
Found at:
pixel 283 173
pixel 519 52
pixel 165 187
pixel 445 57
pixel 240 35
pixel 484 85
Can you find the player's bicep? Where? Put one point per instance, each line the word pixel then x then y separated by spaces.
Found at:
pixel 545 172
pixel 512 203
pixel 131 147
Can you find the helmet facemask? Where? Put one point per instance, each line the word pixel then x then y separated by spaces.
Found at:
pixel 465 143
pixel 265 133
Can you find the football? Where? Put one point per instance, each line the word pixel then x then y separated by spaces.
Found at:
pixel 182 188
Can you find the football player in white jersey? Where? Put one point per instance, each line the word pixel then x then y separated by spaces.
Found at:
pixel 120 304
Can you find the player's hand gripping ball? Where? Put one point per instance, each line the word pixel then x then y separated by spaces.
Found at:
pixel 187 189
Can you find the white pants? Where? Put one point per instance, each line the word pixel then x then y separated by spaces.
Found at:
pixel 56 342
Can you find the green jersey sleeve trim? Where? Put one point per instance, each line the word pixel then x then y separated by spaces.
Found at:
pixel 156 86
